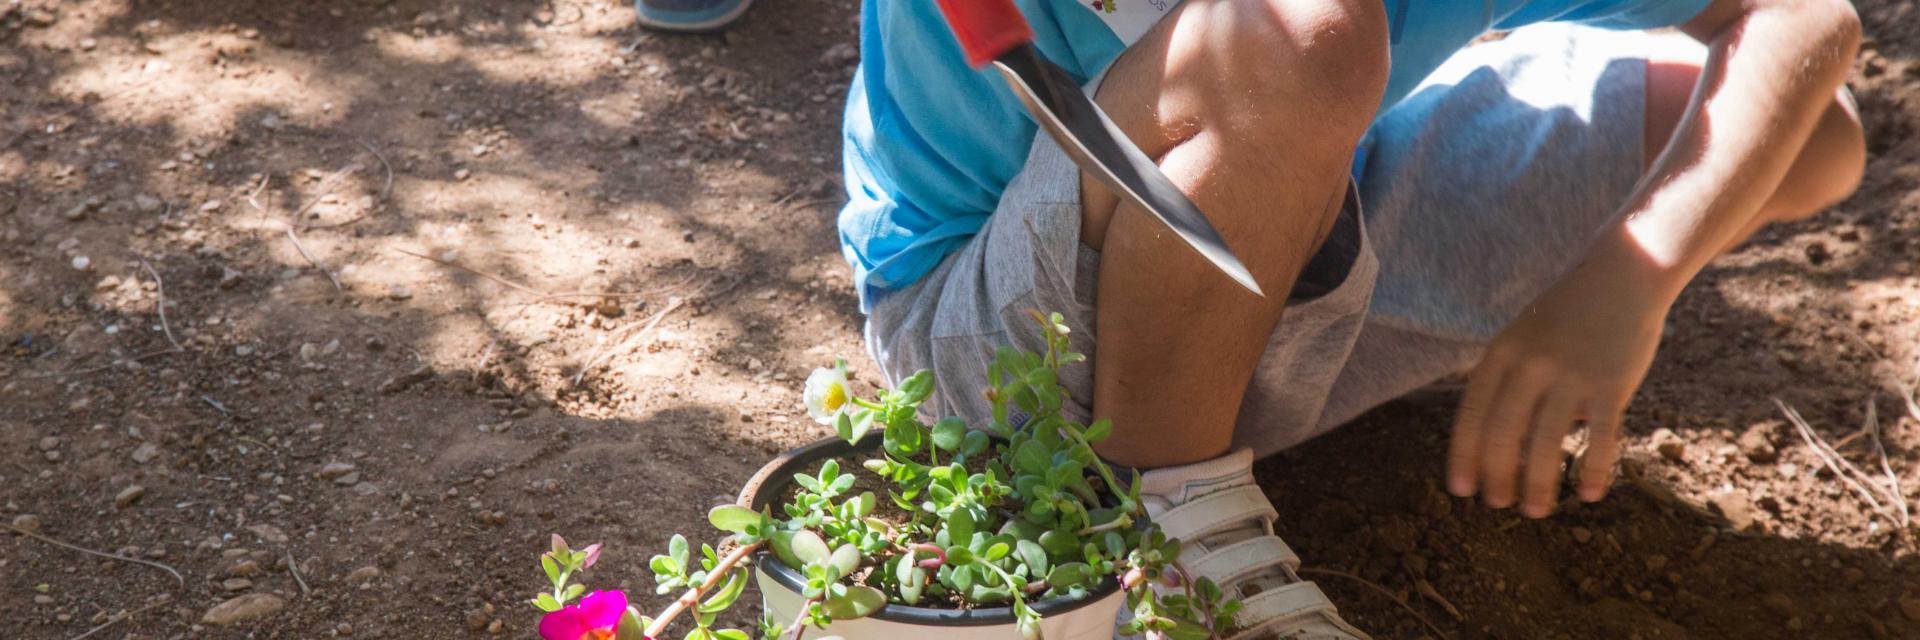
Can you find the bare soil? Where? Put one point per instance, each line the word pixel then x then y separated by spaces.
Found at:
pixel 445 278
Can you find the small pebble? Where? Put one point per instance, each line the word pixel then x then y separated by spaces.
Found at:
pixel 128 496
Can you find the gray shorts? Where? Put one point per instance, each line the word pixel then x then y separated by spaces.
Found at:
pixel 1480 190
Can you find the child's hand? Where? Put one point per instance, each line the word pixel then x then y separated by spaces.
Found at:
pixel 1576 356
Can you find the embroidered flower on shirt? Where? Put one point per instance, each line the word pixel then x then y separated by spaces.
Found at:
pixel 1102 5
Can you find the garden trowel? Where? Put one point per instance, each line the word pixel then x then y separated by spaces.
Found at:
pixel 993 32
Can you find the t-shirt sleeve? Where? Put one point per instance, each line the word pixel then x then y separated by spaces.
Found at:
pixel 1610 14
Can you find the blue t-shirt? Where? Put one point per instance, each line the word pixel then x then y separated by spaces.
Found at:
pixel 930 143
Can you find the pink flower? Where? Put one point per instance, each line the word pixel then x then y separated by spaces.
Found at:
pixel 595 618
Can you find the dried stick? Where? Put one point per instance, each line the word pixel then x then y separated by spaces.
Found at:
pixel 294 568
pixel 388 189
pixel 1831 458
pixel 113 620
pixel 160 304
pixel 176 574
pixel 327 185
pixel 312 260
pixel 692 596
pixel 1898 496
pixel 1382 590
pixel 594 360
pixel 104 367
pixel 503 281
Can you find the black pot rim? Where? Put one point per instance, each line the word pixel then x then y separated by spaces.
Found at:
pixel 769 482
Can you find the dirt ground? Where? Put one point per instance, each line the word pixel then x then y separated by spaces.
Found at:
pixel 343 307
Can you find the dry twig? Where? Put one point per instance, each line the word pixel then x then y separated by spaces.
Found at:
pixel 160 304
pixel 502 281
pixel 1861 483
pixel 327 185
pixel 1383 591
pixel 176 574
pixel 595 360
pixel 312 260
pixel 104 367
pixel 388 189
pixel 163 599
pixel 1897 495
pixel 294 568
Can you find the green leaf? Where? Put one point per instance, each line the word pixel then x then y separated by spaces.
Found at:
pixel 948 433
pixel 663 567
pixel 809 548
pixel 916 387
pixel 1032 457
pixel 1099 431
pixel 958 555
pixel 807 482
pixel 731 634
pixel 1070 573
pixel 678 550
pixel 1032 554
pixel 863 504
pixel 633 626
pixel 862 422
pixel 728 592
pixel 782 543
pixel 961 578
pixel 974 443
pixel 552 568
pixel 997 551
pixel 840 485
pixel 844 560
pixel 858 602
pixel 546 602
pixel 573 591
pixel 733 517
pixel 960 526
pixel 1187 630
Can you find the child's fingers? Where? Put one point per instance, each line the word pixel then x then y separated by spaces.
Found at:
pixel 1506 431
pixel 1543 455
pixel 1463 451
pixel 1603 451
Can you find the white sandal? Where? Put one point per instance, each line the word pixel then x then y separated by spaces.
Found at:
pixel 1225 525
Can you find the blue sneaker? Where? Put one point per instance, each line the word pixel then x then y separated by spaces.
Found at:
pixel 689 15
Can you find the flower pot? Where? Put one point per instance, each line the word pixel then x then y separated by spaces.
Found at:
pixel 1089 618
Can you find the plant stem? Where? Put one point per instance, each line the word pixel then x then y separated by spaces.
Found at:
pixel 692 596
pixel 1005 578
pixel 1206 607
pixel 1117 522
pixel 799 622
pixel 1106 473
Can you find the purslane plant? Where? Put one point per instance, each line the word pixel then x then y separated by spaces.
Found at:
pixel 1008 513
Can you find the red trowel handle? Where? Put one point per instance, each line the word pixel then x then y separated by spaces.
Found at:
pixel 986 28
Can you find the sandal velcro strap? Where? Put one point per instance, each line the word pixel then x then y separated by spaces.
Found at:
pixel 1216 511
pixel 1287 603
pixel 1230 564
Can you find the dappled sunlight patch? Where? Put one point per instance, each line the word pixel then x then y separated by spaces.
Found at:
pixel 201 85
pixel 533 61
pixel 419 49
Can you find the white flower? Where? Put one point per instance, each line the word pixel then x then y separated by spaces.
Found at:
pixel 827 394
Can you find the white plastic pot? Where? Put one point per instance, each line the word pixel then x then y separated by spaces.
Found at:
pixel 1090 618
